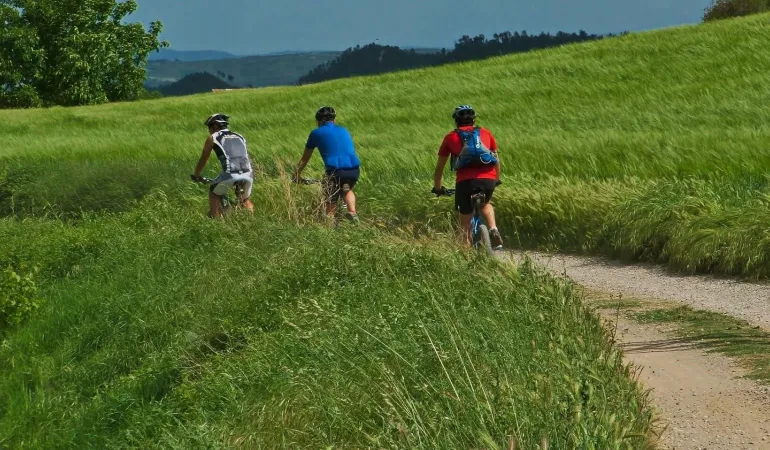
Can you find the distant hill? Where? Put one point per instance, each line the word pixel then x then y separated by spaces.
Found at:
pixel 189 55
pixel 255 71
pixel 195 83
pixel 423 50
pixel 375 58
pixel 295 52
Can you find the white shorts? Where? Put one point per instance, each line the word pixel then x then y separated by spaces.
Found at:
pixel 225 181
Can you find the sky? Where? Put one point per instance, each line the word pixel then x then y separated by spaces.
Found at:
pixel 257 26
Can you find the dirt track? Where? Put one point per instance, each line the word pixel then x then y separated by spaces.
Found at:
pixel 747 301
pixel 702 397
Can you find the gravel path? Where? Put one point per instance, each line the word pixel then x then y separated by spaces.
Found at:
pixel 701 397
pixel 745 300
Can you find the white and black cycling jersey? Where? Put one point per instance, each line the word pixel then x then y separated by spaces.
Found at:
pixel 231 151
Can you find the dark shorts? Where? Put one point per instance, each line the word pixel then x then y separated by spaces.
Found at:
pixel 335 179
pixel 465 189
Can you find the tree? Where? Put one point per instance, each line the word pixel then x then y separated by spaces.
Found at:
pixel 20 60
pixel 194 83
pixel 72 52
pixel 723 9
pixel 374 58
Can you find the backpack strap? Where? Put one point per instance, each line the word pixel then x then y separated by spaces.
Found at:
pixel 453 158
pixel 462 133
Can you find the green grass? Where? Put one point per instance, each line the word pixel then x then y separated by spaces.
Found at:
pixel 257 71
pixel 609 302
pixel 159 328
pixel 651 146
pixel 162 329
pixel 720 333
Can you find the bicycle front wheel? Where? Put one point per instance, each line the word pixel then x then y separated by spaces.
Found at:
pixel 483 242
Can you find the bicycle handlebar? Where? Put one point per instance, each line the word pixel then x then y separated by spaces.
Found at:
pixel 444 192
pixel 305 181
pixel 202 180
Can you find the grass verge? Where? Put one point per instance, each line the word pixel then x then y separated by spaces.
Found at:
pixel 162 329
pixel 718 333
pixel 710 331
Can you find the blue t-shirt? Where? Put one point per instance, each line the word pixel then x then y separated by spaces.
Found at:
pixel 335 145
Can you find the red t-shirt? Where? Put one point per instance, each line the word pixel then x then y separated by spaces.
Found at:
pixel 453 145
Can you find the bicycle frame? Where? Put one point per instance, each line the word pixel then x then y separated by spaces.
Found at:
pixel 477 200
pixel 227 202
pixel 479 230
pixel 344 188
pixel 224 200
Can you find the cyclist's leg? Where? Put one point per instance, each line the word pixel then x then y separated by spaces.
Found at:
pixel 215 207
pixel 248 181
pixel 488 211
pixel 465 223
pixel 350 201
pixel 463 192
pixel 489 214
pixel 349 178
pixel 331 189
pixel 218 188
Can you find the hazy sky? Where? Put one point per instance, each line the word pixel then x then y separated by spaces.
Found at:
pixel 259 26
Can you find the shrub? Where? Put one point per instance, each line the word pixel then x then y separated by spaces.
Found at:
pixel 149 94
pixel 18 298
pixel 724 9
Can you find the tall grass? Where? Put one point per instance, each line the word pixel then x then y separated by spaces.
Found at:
pixel 166 330
pixel 636 117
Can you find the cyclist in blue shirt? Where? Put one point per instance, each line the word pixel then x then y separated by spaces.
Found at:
pixel 340 160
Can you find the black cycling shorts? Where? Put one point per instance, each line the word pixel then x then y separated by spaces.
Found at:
pixel 464 190
pixel 335 179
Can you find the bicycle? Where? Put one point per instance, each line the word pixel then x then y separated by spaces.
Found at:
pixel 225 201
pixel 345 188
pixel 479 230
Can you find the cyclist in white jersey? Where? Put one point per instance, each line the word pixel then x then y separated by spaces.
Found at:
pixel 233 155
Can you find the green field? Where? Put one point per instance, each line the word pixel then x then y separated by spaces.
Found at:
pixel 257 71
pixel 650 146
pixel 161 328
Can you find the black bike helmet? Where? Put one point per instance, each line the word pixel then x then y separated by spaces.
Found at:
pixel 325 114
pixel 219 119
pixel 464 115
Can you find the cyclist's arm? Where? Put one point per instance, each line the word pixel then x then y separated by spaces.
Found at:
pixel 207 147
pixel 303 162
pixel 438 174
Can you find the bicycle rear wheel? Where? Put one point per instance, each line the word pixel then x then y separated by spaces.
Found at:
pixel 224 201
pixel 483 242
pixel 240 192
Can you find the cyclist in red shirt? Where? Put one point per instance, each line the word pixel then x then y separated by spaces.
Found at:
pixel 478 169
